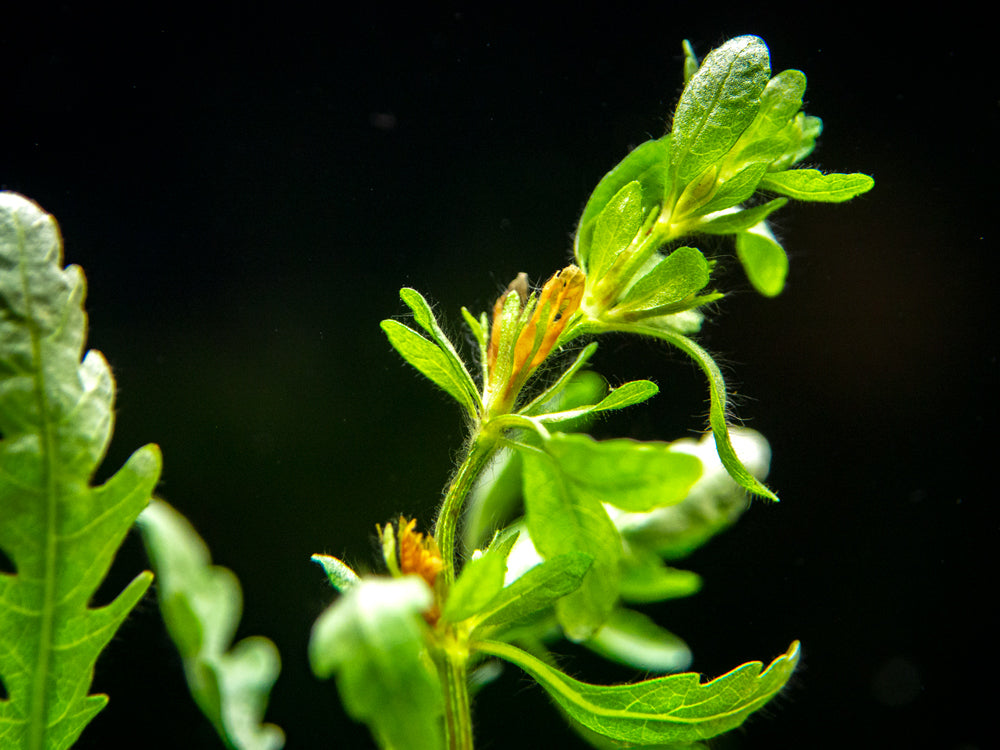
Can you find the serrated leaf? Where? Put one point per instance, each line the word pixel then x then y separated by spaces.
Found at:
pixel 433 362
pixel 340 575
pixel 646 164
pixel 632 475
pixel 201 605
pixel 677 708
pixel 717 105
pixel 59 532
pixel 632 639
pixel 535 591
pixel 813 185
pixel 373 640
pixel 562 521
pixel 763 259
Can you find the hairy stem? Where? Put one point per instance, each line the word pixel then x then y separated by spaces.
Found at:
pixel 457 706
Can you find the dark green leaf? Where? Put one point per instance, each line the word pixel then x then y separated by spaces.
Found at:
pixel 59 532
pixel 677 708
pixel 717 105
pixel 201 605
pixel 373 640
pixel 813 185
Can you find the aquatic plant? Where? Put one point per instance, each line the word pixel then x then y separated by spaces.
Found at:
pixel 564 535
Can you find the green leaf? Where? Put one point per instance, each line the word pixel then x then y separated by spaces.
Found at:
pixel 717 105
pixel 373 640
pixel 646 164
pixel 480 581
pixel 341 576
pixel 677 708
pixel 628 474
pixel 534 592
pixel 717 409
pixel 59 532
pixel 627 394
pixel 632 639
pixel 201 605
pixel 433 362
pixel 763 259
pixel 673 279
pixel 616 227
pixel 813 185
pixel 646 579
pixel 738 220
pixel 561 521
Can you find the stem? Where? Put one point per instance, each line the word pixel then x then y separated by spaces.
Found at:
pixel 457 706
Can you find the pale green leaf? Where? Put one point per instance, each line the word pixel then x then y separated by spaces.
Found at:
pixel 632 639
pixel 763 259
pixel 433 362
pixel 561 521
pixel 373 640
pixel 628 394
pixel 717 105
pixel 480 581
pixel 536 591
pixel 340 575
pixel 201 605
pixel 59 532
pixel 672 280
pixel 738 220
pixel 628 474
pixel 676 708
pixel 617 225
pixel 813 185
pixel 646 579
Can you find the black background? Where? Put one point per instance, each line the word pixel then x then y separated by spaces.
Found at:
pixel 248 189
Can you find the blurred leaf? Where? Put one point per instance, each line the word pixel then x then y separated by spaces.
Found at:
pixel 479 583
pixel 341 576
pixel 373 640
pixel 646 579
pixel 201 605
pixel 632 639
pixel 60 533
pixel 677 708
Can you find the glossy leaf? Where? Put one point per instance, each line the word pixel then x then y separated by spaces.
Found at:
pixel 372 640
pixel 59 532
pixel 632 639
pixel 201 605
pixel 813 185
pixel 763 259
pixel 717 105
pixel 677 708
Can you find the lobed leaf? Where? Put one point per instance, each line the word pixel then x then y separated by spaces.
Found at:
pixel 813 185
pixel 677 708
pixel 60 533
pixel 372 639
pixel 201 605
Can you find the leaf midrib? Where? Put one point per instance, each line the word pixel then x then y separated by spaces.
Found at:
pixel 36 717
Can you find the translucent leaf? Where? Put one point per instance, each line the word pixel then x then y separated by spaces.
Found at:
pixel 717 105
pixel 616 227
pixel 632 639
pixel 813 185
pixel 59 532
pixel 201 605
pixel 480 581
pixel 677 708
pixel 671 280
pixel 646 579
pixel 433 362
pixel 341 576
pixel 372 639
pixel 763 259
pixel 739 220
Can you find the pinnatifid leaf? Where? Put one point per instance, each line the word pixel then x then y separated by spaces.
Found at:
pixel 201 605
pixel 59 532
pixel 678 708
